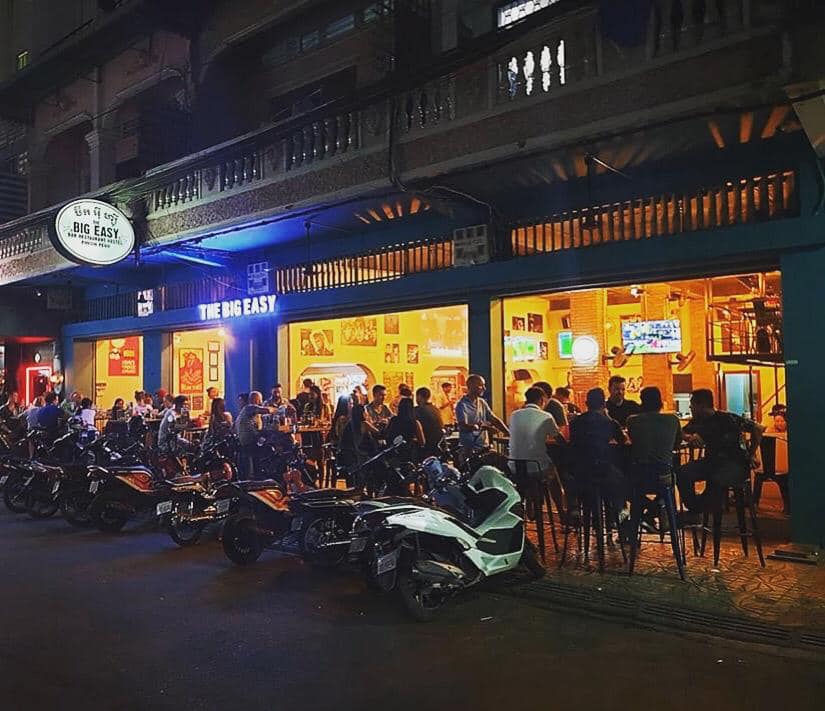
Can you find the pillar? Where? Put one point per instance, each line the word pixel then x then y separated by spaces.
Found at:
pixel 656 368
pixel 264 344
pixel 156 357
pixel 588 314
pixel 239 359
pixel 702 370
pixel 101 144
pixel 478 337
pixel 803 294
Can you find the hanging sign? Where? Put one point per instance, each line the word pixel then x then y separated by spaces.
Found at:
pixel 234 308
pixel 93 232
pixel 257 278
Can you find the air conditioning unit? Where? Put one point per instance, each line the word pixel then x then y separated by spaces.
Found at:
pixel 471 246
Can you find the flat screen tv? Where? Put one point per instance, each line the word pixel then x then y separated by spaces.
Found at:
pixel 646 337
pixel 565 344
pixel 523 348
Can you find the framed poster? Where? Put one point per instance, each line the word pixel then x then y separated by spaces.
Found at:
pixel 392 353
pixel 359 331
pixel 535 323
pixel 518 323
pixel 197 403
pixel 190 370
pixel 412 354
pixel 214 346
pixel 213 375
pixel 391 325
pixel 124 356
pixel 316 342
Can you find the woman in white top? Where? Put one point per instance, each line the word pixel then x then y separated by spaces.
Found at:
pixel 87 412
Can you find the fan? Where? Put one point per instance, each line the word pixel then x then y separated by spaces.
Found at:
pixel 683 360
pixel 620 355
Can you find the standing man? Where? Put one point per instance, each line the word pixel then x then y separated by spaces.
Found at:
pixel 377 413
pixel 552 405
pixel 430 420
pixel 445 404
pixel 283 407
pixel 248 428
pixel 403 391
pixel 728 458
pixel 617 407
pixel 475 418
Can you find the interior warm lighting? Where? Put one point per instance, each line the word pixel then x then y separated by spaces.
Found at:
pixel 716 133
pixel 388 211
pixel 415 206
pixel 375 216
pixel 585 350
pixel 399 209
pixel 222 332
pixel 746 127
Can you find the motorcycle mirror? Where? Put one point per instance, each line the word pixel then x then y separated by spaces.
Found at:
pixel 398 441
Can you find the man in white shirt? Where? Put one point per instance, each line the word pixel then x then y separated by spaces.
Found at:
pixel 530 430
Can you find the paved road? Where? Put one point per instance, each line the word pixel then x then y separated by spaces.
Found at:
pixel 132 622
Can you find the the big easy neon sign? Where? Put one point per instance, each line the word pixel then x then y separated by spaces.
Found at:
pixel 234 308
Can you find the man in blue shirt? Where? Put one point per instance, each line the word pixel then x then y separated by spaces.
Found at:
pixel 50 416
pixel 475 418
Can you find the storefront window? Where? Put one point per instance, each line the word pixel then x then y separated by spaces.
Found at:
pixel 419 348
pixel 118 370
pixel 198 364
pixel 724 334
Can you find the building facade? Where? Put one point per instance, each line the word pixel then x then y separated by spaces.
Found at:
pixel 411 191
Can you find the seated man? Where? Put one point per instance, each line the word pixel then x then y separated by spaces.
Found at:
pixel 531 428
pixel 591 435
pixel 654 436
pixel 727 459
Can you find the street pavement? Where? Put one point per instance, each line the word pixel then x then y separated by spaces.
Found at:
pixel 91 621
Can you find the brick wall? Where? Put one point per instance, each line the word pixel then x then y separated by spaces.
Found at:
pixel 588 312
pixel 656 368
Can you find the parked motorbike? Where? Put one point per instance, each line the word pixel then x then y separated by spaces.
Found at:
pixel 196 501
pixel 429 553
pixel 122 493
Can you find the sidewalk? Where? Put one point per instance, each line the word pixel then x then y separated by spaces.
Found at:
pixel 783 603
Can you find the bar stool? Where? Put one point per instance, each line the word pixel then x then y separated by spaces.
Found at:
pixel 743 498
pixel 666 493
pixel 532 483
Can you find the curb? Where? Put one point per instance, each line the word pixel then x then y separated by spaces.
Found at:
pixel 650 613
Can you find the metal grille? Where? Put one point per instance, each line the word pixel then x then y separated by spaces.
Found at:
pixel 735 202
pixel 387 264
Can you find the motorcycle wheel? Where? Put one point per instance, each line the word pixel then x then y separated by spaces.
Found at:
pixel 41 505
pixel 241 542
pixel 530 560
pixel 315 531
pixel 12 495
pixel 75 509
pixel 417 597
pixel 108 513
pixel 186 534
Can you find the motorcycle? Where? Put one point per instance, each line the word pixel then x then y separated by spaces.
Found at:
pixel 429 553
pixel 121 493
pixel 196 501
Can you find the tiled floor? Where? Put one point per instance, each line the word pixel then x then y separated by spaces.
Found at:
pixel 789 594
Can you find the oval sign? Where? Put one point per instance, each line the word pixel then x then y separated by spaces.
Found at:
pixel 93 232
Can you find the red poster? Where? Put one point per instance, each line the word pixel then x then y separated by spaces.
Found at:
pixel 124 356
pixel 190 370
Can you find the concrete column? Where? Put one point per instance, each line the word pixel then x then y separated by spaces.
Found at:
pixel 478 335
pixel 239 365
pixel 702 370
pixel 101 144
pixel 264 337
pixel 803 293
pixel 155 369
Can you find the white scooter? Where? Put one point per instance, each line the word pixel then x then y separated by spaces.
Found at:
pixel 428 553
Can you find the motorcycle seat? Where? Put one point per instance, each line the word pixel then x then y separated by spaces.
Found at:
pixel 190 480
pixel 322 494
pixel 259 485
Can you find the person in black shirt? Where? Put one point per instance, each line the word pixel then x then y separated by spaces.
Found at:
pixel 618 408
pixel 727 459
pixel 430 421
pixel 405 425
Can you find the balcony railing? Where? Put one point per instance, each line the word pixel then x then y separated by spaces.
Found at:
pixel 732 202
pixel 548 61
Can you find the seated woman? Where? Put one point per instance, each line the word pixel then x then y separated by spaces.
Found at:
pixel 220 422
pixel 405 425
pixel 118 411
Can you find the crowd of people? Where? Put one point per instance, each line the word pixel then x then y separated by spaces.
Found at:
pixel 360 423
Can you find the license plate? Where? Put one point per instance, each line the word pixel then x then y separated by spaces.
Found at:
pixel 223 505
pixel 164 507
pixel 56 487
pixel 357 545
pixel 387 562
pixel 297 523
pixel 94 486
pixel 4 479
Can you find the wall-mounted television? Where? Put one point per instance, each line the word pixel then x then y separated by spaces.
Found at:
pixel 565 344
pixel 646 337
